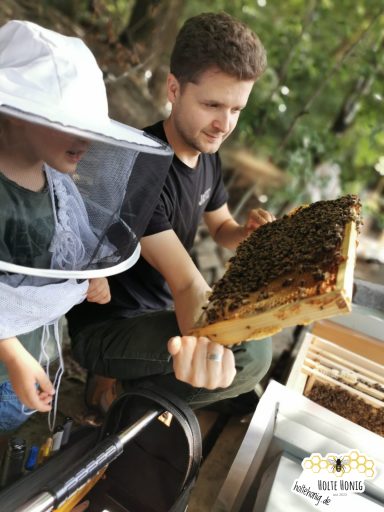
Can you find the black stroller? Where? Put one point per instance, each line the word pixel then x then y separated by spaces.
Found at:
pixel 144 458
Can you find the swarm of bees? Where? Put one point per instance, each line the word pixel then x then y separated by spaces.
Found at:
pixel 282 260
pixel 351 407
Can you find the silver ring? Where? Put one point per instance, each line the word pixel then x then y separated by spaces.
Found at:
pixel 214 357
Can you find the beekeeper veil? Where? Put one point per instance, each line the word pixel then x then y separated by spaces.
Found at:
pixel 86 221
pixel 101 209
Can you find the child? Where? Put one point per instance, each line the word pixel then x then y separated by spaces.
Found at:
pixel 25 149
pixel 64 173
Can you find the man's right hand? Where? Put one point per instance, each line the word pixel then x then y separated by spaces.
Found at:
pixel 202 363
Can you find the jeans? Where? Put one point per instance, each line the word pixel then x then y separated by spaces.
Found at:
pixel 12 412
pixel 134 351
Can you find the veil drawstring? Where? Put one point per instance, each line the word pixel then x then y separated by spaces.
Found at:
pixel 45 361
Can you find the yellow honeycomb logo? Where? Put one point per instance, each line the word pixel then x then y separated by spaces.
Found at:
pixel 340 464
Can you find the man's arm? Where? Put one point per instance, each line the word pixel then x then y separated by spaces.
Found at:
pixel 196 361
pixel 167 255
pixel 229 233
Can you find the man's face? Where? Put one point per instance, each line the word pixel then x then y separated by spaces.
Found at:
pixel 205 113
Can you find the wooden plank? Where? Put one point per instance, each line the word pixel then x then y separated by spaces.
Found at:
pixel 340 368
pixel 299 312
pixel 359 343
pixel 215 467
pixel 344 281
pixel 351 364
pixel 206 421
pixel 349 378
pixel 326 379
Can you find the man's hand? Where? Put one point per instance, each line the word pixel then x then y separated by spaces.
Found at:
pixel 98 290
pixel 256 218
pixel 29 381
pixel 202 363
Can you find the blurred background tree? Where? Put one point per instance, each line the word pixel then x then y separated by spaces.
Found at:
pixel 322 97
pixel 316 115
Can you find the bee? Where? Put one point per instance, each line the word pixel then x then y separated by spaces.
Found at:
pixel 338 464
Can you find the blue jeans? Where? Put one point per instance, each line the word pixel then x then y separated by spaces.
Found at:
pixel 12 411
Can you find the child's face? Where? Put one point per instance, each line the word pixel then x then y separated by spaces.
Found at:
pixel 62 151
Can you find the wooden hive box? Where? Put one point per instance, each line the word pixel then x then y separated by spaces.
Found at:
pixel 288 306
pixel 340 380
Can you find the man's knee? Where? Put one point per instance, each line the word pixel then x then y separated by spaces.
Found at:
pixel 86 349
pixel 253 360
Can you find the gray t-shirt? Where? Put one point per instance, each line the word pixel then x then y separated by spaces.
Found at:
pixel 26 225
pixel 26 231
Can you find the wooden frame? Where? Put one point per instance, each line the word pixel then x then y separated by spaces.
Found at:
pixel 319 358
pixel 300 312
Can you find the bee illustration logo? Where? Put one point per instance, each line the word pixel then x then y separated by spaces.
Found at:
pixel 338 465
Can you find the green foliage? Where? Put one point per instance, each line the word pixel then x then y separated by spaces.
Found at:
pixel 113 13
pixel 319 54
pixel 321 98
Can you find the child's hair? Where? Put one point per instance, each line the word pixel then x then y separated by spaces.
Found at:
pixel 217 40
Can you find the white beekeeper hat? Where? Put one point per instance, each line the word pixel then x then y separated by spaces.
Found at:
pixel 54 80
pixel 100 212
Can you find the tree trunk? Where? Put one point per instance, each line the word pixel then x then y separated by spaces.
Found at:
pixel 152 25
pixel 151 34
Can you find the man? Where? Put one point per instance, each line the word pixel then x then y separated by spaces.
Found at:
pixel 214 64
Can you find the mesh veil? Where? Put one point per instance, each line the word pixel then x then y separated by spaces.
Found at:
pixel 98 214
pixel 80 226
pixel 89 226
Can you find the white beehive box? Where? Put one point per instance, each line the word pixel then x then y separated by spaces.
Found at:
pixel 289 426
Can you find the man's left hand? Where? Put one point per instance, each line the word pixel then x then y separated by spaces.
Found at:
pixel 256 218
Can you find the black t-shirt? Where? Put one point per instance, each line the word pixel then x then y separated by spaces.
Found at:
pixel 186 195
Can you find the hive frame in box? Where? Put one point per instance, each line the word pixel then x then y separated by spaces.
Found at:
pixel 286 421
pixel 300 312
pixel 317 355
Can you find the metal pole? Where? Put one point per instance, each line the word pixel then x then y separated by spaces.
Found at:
pixel 44 502
pixel 130 432
pixel 41 503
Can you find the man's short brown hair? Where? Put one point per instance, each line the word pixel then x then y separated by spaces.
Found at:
pixel 211 40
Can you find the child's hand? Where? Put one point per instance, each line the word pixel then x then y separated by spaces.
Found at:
pixel 98 290
pixel 24 373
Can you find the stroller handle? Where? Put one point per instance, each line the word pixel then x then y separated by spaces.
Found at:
pixel 92 463
pixel 43 502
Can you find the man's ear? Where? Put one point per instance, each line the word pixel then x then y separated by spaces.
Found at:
pixel 173 88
